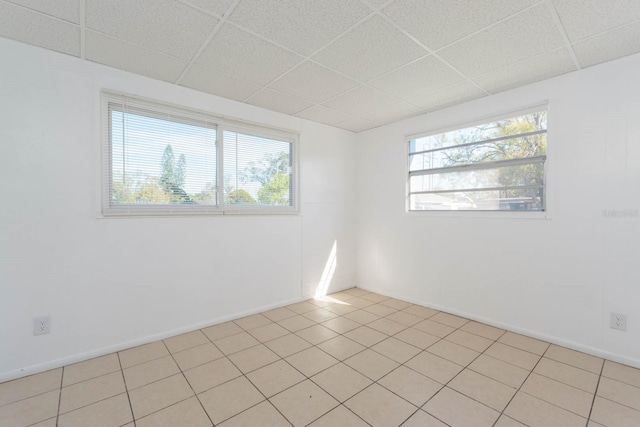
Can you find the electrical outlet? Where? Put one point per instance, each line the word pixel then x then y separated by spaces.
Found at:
pixel 41 325
pixel 618 321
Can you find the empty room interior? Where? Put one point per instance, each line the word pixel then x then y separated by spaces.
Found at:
pixel 320 213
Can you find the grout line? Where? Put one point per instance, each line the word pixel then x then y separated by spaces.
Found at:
pixel 60 396
pixel 595 393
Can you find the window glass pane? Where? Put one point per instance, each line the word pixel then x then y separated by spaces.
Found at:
pixel 257 170
pixel 161 161
pixel 496 200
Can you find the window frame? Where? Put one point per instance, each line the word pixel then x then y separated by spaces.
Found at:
pixel 496 213
pixel 220 124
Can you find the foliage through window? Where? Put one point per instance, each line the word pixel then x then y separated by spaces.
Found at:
pixel 494 166
pixel 164 160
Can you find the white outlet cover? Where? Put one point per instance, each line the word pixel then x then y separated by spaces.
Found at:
pixel 618 321
pixel 41 325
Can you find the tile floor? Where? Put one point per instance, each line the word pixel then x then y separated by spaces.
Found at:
pixel 354 359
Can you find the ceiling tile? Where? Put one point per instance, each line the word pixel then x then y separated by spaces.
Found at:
pixel 377 3
pixel 584 18
pixel 394 113
pixel 531 33
pixel 130 57
pixel 436 23
pixel 356 125
pixel 237 53
pixel 424 75
pixel 69 10
pixel 219 7
pixel 614 44
pixel 200 78
pixel 530 70
pixel 301 25
pixel 451 95
pixel 370 50
pixel 163 25
pixel 34 28
pixel 313 83
pixel 361 101
pixel 325 115
pixel 278 101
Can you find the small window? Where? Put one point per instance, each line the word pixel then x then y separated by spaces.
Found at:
pixel 493 166
pixel 159 159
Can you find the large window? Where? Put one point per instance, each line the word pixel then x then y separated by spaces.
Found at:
pixel 160 159
pixel 493 166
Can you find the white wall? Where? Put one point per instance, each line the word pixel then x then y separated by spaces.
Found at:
pixel 555 278
pixel 111 283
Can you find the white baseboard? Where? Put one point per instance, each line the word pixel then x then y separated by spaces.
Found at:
pixel 81 357
pixel 513 328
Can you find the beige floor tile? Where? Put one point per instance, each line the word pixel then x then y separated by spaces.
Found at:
pixel 197 356
pixel 483 330
pixel 341 381
pixel 22 388
pixel 434 328
pixel 559 394
pixel 380 310
pixel 469 340
pixel 278 314
pixel 525 343
pixel 253 358
pixel 379 407
pixel 31 410
pixel 456 409
pixel 236 343
pixel 485 390
pixel 185 341
pixel 619 392
pixel 261 415
pixel 276 377
pixel 575 358
pixel 420 311
pixel 316 334
pixel 360 302
pixel 268 332
pixel 186 413
pixel 612 414
pixel 322 301
pixel 303 403
pixel 311 361
pixel 296 323
pixel 396 303
pixel 594 424
pixel 405 318
pixel 112 412
pixel 302 307
pixel 142 354
pixel 376 298
pixel 422 419
pixel 90 369
pixel 87 392
pixel 287 345
pixel 387 326
pixel 146 373
pixel 449 320
pixel 512 355
pixel 229 399
pixel 417 338
pixel 222 330
pixel 500 371
pixel 251 322
pixel 505 421
pixel 365 336
pixel 623 373
pixel 341 296
pixel 51 422
pixel 211 374
pixel 341 325
pixel 410 385
pixel 341 347
pixel 371 364
pixel 567 374
pixel 339 416
pixel 320 315
pixel 396 350
pixel 434 367
pixel 535 412
pixel 356 292
pixel 362 317
pixel 453 352
pixel 340 308
pixel 158 395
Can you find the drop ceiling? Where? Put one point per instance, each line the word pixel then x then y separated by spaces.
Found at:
pixel 353 64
